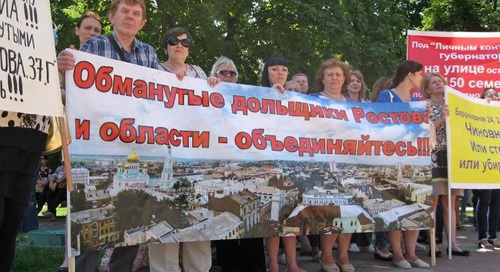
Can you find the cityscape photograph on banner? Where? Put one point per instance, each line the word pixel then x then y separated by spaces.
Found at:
pixel 155 159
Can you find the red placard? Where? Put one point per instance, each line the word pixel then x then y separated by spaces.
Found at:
pixel 470 61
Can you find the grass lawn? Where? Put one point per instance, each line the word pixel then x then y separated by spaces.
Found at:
pixel 36 258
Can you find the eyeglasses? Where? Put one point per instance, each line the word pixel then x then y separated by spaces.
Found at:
pixel 173 41
pixel 492 95
pixel 227 73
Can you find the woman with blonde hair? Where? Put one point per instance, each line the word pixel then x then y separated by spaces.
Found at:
pixel 356 90
pixel 432 88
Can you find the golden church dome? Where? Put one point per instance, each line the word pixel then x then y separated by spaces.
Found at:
pixel 133 157
pixel 127 166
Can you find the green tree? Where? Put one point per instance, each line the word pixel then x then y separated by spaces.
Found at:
pixel 462 15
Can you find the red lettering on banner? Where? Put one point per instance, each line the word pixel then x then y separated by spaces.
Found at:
pixel 82 129
pixel 109 131
pixel 103 80
pixel 81 68
pixel 122 86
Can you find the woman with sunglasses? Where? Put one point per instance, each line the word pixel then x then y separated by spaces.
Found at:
pixel 490 95
pixel 238 254
pixel 177 41
pixel 225 70
pixel 196 256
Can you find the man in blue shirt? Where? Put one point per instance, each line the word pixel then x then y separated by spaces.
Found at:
pixel 127 18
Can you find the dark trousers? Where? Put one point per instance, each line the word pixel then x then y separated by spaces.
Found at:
pixel 41 198
pixel 488 206
pixel 241 255
pixel 54 198
pixel 30 220
pixel 11 215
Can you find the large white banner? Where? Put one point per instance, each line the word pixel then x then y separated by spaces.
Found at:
pixel 158 159
pixel 28 78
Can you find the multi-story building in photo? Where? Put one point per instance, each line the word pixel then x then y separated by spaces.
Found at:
pixel 321 196
pixel 245 205
pixel 97 226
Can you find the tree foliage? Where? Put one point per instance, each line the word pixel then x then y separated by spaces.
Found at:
pixel 369 35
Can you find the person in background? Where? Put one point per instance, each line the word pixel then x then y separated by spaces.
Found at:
pixel 382 251
pixel 332 79
pixel 303 82
pixel 89 25
pixel 57 191
pixel 239 254
pixel 274 75
pixel 292 86
pixel 488 202
pixel 42 183
pixel 356 90
pixel 490 94
pixel 408 76
pixel 432 88
pixel 382 83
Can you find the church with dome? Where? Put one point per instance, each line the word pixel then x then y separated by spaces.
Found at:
pixel 133 175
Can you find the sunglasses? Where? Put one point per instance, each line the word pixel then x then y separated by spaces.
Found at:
pixel 227 73
pixel 172 41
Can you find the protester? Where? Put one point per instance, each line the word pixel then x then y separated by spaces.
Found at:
pixel 490 94
pixel 292 86
pixel 238 254
pixel 332 79
pixel 356 90
pixel 196 256
pixel 408 76
pixel 88 26
pixel 303 82
pixel 432 88
pixel 382 251
pixel 274 75
pixel 382 83
pixel 488 202
pixel 128 17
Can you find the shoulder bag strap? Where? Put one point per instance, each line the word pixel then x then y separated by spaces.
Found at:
pixel 117 48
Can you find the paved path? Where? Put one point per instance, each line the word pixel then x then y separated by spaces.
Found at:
pixel 479 260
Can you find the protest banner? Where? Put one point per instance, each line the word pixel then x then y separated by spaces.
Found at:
pixel 468 60
pixel 28 59
pixel 162 160
pixel 474 145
